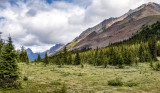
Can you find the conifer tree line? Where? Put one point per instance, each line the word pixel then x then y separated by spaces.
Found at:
pixel 115 55
pixel 44 60
pixel 22 55
pixel 144 46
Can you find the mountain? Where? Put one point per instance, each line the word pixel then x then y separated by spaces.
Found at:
pixel 117 29
pixel 32 56
pixel 54 48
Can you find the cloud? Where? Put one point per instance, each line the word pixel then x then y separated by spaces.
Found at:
pixel 103 9
pixel 36 23
pixel 31 13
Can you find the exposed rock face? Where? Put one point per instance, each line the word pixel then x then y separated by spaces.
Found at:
pixel 117 29
pixel 98 28
pixel 54 48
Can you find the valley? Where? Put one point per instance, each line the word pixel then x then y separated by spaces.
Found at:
pixel 118 55
pixel 89 79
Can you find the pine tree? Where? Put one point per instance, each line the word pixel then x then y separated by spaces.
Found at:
pixel 22 54
pixel 112 56
pixel 106 62
pixel 39 58
pixel 70 59
pixel 64 58
pixel 101 58
pixel 1 45
pixel 77 58
pixel 141 53
pixel 151 64
pixel 18 55
pixel 120 60
pixel 147 56
pixel 46 60
pixel 8 67
pixel 35 60
pixel 59 60
pixel 153 48
pixel 26 57
pixel 96 57
pixel 130 57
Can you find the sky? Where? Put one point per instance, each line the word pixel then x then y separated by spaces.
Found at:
pixel 40 24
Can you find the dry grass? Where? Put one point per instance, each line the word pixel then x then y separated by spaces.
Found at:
pixel 89 79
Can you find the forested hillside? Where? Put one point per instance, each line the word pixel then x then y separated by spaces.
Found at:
pixel 142 47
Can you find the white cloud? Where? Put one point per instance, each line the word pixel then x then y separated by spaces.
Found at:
pixel 38 24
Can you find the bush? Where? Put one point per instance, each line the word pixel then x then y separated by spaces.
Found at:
pixel 157 67
pixel 25 78
pixel 131 84
pixel 55 83
pixel 121 66
pixel 62 90
pixel 82 66
pixel 115 82
pixel 7 85
pixel 60 66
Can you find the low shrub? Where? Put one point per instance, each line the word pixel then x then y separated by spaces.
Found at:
pixel 82 66
pixel 131 84
pixel 25 78
pixel 62 90
pixel 55 83
pixel 157 67
pixel 8 85
pixel 115 82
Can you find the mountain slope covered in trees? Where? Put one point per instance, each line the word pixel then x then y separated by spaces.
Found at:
pixel 143 46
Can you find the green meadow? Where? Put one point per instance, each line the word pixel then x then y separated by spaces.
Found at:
pixel 37 78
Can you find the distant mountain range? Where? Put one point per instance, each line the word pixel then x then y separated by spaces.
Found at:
pixel 116 29
pixel 32 56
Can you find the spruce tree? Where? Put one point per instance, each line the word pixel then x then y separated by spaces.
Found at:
pixel 77 58
pixel 1 45
pixel 141 53
pixel 18 55
pixel 96 57
pixel 26 58
pixel 101 58
pixel 130 57
pixel 46 60
pixel 112 56
pixel 153 48
pixel 70 59
pixel 64 58
pixel 59 60
pixel 22 54
pixel 39 58
pixel 8 67
pixel 120 60
pixel 106 62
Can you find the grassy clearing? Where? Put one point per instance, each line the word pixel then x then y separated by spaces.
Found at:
pixel 90 79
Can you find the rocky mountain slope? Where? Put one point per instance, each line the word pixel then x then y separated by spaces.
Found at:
pixel 32 56
pixel 117 29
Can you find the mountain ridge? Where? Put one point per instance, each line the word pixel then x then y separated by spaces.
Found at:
pixel 105 31
pixel 32 56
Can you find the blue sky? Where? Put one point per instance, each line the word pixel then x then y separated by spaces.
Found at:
pixel 40 24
